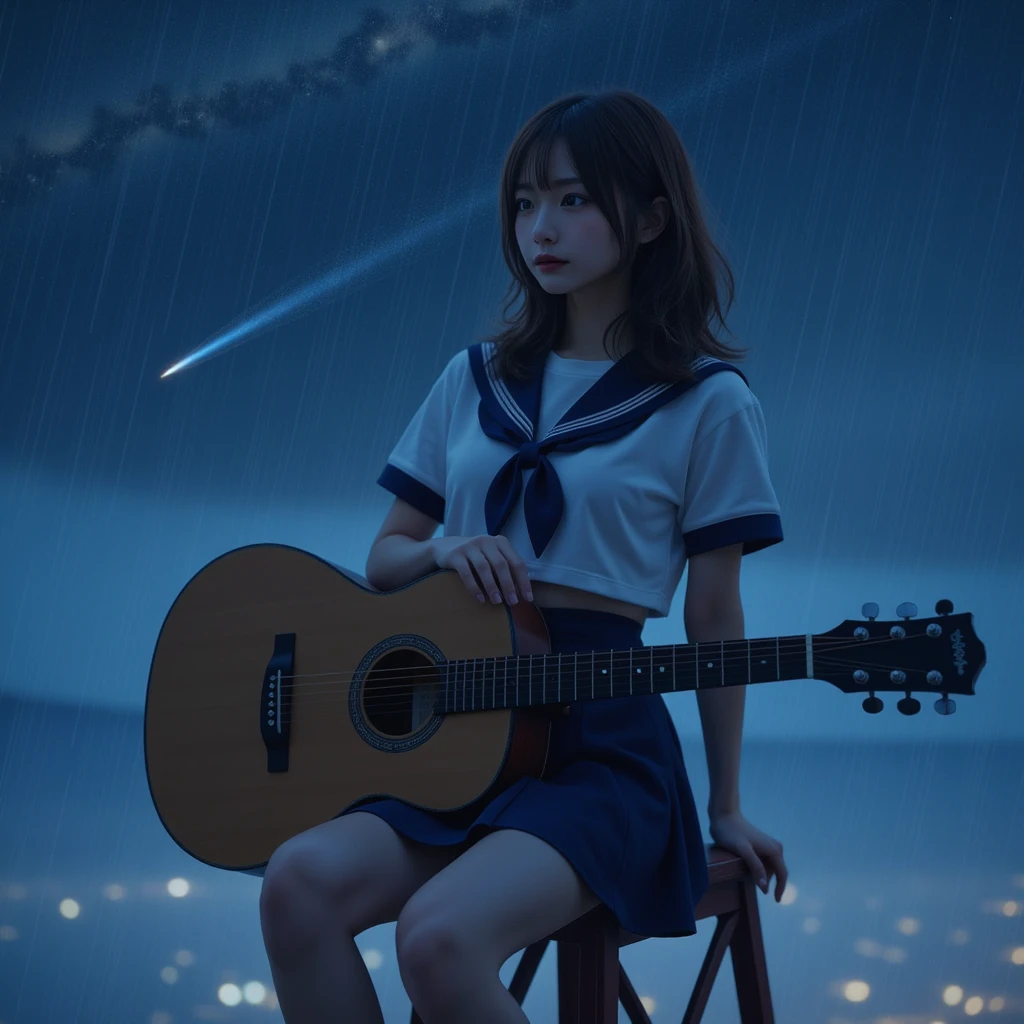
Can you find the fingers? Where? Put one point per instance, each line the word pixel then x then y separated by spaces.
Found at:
pixel 484 573
pixel 757 869
pixel 782 875
pixel 461 564
pixel 517 567
pixel 490 567
pixel 494 561
pixel 499 563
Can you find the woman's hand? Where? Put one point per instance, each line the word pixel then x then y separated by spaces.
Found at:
pixel 485 563
pixel 762 854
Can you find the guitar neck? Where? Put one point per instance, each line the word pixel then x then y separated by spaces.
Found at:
pixel 520 681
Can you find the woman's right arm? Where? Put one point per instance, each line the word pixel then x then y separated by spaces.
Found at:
pixel 402 551
pixel 405 549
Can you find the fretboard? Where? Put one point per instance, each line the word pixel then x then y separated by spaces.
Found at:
pixel 519 681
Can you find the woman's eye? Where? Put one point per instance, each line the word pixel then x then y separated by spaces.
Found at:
pixel 571 195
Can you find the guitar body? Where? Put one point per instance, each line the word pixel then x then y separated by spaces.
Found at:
pixel 357 700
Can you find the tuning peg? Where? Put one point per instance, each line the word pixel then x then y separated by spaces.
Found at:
pixel 907 610
pixel 945 706
pixel 908 705
pixel 872 705
pixel 869 610
pixel 943 607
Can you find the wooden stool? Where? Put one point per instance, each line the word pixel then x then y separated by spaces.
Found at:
pixel 592 982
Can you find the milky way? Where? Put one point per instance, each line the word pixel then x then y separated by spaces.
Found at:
pixel 381 39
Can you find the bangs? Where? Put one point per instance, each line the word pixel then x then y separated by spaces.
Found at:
pixel 575 126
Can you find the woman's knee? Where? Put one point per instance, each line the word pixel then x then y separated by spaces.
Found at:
pixel 303 894
pixel 437 959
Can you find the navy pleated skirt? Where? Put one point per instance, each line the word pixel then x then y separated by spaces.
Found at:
pixel 615 799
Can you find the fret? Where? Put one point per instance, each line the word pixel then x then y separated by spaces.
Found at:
pixel 756 661
pixel 631 671
pixel 575 674
pixel 734 671
pixel 601 681
pixel 566 682
pixel 663 668
pixel 706 664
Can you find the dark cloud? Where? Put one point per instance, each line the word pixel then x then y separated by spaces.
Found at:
pixel 381 39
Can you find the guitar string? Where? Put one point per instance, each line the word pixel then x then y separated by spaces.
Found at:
pixel 386 702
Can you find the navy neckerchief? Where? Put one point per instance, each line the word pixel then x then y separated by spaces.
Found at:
pixel 616 403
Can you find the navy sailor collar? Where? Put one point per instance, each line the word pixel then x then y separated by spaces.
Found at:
pixel 616 403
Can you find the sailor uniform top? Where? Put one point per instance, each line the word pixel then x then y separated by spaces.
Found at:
pixel 600 479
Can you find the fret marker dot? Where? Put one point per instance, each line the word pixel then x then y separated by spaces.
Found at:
pixel 711 664
pixel 604 671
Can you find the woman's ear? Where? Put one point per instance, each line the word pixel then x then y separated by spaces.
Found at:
pixel 655 220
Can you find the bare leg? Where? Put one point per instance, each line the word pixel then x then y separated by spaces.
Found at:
pixel 321 889
pixel 453 935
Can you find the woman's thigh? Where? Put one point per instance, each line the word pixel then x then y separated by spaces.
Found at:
pixel 498 896
pixel 355 871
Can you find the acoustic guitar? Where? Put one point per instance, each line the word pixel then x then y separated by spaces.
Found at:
pixel 285 689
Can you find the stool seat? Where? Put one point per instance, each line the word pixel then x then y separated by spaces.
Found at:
pixel 592 982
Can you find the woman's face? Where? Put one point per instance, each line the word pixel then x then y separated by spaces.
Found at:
pixel 564 222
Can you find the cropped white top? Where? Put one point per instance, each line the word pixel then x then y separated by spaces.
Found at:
pixel 645 476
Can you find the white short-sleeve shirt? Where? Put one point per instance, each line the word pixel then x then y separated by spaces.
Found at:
pixel 691 477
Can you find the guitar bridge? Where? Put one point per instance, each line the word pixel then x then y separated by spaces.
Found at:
pixel 275 702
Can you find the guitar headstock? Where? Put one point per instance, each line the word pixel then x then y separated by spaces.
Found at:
pixel 940 655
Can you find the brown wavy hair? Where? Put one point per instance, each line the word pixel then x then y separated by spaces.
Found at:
pixel 626 153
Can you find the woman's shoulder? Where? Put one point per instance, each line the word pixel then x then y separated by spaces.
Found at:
pixel 722 393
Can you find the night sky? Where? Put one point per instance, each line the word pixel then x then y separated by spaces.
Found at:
pixel 169 169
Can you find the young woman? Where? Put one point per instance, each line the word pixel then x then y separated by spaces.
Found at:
pixel 577 460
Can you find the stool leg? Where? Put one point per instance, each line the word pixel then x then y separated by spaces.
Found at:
pixel 749 966
pixel 713 958
pixel 526 969
pixel 588 977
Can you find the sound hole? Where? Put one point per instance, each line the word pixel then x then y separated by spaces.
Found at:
pixel 400 692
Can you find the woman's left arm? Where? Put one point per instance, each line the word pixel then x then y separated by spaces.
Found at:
pixel 713 611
